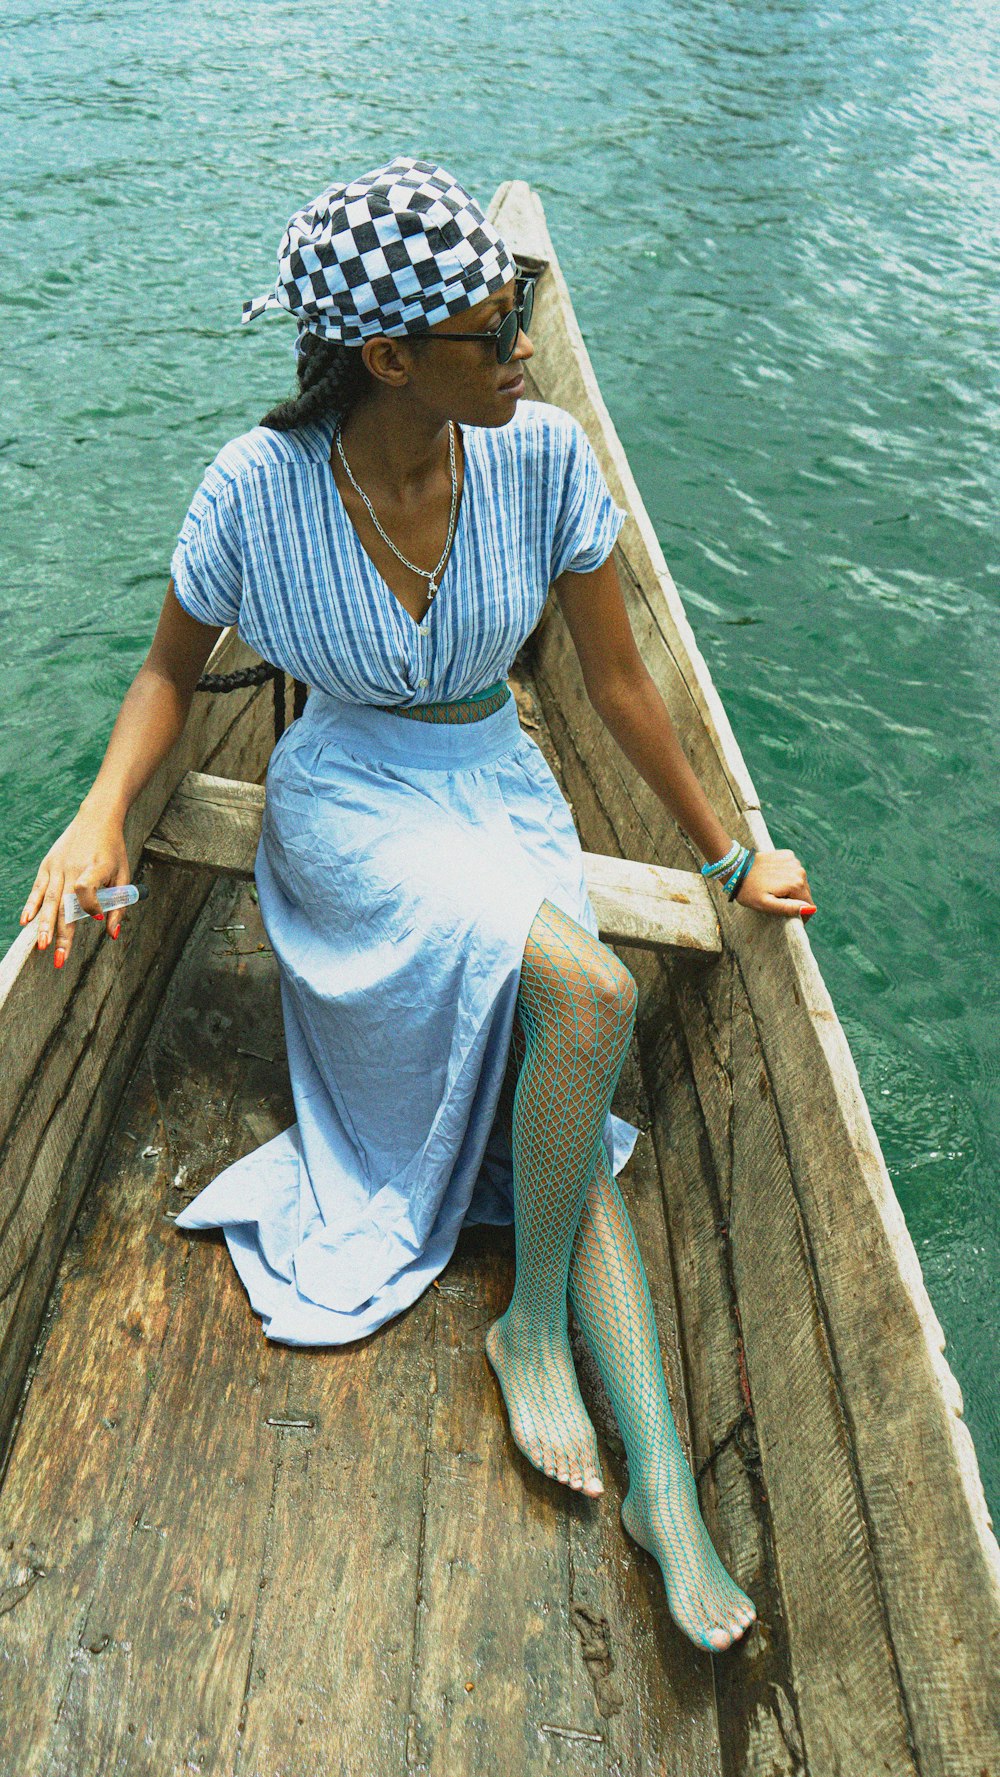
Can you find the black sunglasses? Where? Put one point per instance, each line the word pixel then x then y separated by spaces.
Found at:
pixel 513 324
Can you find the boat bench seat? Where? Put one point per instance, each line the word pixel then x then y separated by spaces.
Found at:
pixel 213 823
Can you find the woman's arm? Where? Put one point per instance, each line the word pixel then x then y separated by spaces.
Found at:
pixel 623 693
pixel 91 853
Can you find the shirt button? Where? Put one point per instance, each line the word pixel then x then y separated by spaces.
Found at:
pixel 421 681
pixel 424 628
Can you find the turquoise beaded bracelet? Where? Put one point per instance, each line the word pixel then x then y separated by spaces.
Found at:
pixel 732 857
pixel 735 881
pixel 731 869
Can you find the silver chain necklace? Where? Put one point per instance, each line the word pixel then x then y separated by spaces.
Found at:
pixel 433 580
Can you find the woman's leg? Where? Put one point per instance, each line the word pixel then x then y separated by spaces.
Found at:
pixel 575 1007
pixel 609 1292
pixel 610 1298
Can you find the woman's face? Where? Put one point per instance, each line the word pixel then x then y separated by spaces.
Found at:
pixel 452 380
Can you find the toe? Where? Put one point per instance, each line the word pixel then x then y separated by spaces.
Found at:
pixel 718 1639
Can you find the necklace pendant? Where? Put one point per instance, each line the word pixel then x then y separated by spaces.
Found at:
pixel 431 589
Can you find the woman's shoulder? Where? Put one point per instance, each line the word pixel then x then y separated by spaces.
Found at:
pixel 262 452
pixel 539 425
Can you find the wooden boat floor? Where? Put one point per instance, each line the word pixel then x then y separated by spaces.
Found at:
pixel 221 1555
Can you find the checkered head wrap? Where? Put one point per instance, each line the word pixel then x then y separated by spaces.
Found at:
pixel 391 252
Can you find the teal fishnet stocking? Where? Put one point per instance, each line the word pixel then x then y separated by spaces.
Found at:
pixel 575 1010
pixel 610 1299
pixel 572 986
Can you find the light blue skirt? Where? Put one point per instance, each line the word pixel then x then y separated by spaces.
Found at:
pixel 400 866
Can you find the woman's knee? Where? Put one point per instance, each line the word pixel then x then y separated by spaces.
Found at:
pixel 615 987
pixel 579 973
pixel 603 998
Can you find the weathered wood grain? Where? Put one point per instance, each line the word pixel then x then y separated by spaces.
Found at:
pixel 494 1610
pixel 111 1423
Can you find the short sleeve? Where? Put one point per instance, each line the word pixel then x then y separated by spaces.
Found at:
pixel 587 519
pixel 207 564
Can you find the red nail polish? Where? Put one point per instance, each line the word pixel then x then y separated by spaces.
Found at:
pixel 59 959
pixel 98 916
pixel 114 934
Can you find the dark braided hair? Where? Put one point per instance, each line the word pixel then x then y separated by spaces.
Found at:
pixel 333 380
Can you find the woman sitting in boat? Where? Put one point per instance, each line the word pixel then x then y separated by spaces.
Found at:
pixel 455 1026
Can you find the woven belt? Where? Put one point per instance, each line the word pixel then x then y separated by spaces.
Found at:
pixel 466 709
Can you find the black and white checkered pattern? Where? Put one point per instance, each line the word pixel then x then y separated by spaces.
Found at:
pixel 392 252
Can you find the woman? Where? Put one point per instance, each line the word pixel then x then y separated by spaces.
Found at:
pixel 389 536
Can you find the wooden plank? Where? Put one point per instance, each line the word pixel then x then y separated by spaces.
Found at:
pixel 937 1561
pixel 210 823
pixel 854 1717
pixel 104 1373
pixel 649 905
pixel 113 1300
pixel 494 1609
pixel 330 1680
pixel 213 823
pixel 166 1642
pixel 55 1139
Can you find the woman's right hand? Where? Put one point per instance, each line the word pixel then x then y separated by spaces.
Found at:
pixel 89 855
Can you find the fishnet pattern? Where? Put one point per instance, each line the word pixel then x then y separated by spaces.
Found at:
pixel 609 1294
pixel 610 1298
pixel 464 709
pixel 575 1008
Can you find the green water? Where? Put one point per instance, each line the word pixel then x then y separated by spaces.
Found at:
pixel 780 229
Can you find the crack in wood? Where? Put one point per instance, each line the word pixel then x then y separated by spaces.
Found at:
pixel 11 1596
pixel 412 1753
pixel 743 1432
pixel 595 1643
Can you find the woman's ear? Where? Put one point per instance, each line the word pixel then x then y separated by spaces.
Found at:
pixel 384 359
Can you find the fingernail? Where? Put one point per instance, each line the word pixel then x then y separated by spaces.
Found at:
pixel 43 938
pixel 114 934
pixel 807 912
pixel 60 958
pixel 98 916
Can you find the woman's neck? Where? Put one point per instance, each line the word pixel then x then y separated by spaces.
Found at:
pixel 396 448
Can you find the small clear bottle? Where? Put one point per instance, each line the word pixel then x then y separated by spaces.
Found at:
pixel 109 899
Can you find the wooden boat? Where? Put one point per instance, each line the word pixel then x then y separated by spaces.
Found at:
pixel 220 1555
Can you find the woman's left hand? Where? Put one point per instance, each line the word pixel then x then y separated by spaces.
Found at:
pixel 776 883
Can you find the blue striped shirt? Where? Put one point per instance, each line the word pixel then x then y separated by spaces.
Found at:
pixel 268 545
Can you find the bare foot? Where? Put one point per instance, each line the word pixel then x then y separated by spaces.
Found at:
pixel 702 1599
pixel 548 1420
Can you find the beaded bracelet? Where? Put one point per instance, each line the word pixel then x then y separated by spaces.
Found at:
pixel 730 874
pixel 732 857
pixel 735 882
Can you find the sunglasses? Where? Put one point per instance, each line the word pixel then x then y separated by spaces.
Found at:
pixel 507 334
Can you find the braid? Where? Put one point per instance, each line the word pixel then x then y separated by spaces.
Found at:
pixel 332 380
